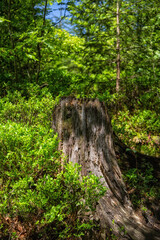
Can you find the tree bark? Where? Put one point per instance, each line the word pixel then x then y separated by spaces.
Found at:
pixel 118 48
pixel 86 138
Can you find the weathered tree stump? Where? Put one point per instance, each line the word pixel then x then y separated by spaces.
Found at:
pixel 85 132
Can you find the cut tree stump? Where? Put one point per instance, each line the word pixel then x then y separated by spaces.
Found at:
pixel 86 138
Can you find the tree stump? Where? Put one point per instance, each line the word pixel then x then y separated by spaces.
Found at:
pixel 86 138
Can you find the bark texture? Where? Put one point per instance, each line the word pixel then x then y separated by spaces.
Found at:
pixel 86 138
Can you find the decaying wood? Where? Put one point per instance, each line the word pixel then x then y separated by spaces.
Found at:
pixel 86 138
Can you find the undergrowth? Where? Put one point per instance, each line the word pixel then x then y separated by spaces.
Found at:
pixel 142 185
pixel 38 199
pixel 139 130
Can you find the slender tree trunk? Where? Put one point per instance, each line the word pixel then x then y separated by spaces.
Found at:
pixel 12 40
pixel 118 48
pixel 85 132
pixel 44 15
pixel 39 45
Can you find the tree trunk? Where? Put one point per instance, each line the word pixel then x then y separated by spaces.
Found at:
pixel 12 40
pixel 118 48
pixel 85 132
pixel 39 44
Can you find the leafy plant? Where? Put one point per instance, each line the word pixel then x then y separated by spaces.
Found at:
pixel 141 184
pixel 140 130
pixel 33 188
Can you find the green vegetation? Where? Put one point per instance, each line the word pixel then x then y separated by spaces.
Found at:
pixel 33 187
pixel 40 63
pixel 139 130
pixel 142 185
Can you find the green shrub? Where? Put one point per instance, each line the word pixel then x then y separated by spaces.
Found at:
pixel 141 184
pixel 37 109
pixel 31 184
pixel 139 130
pixel 34 191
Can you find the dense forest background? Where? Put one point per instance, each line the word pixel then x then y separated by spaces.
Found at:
pixel 111 52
